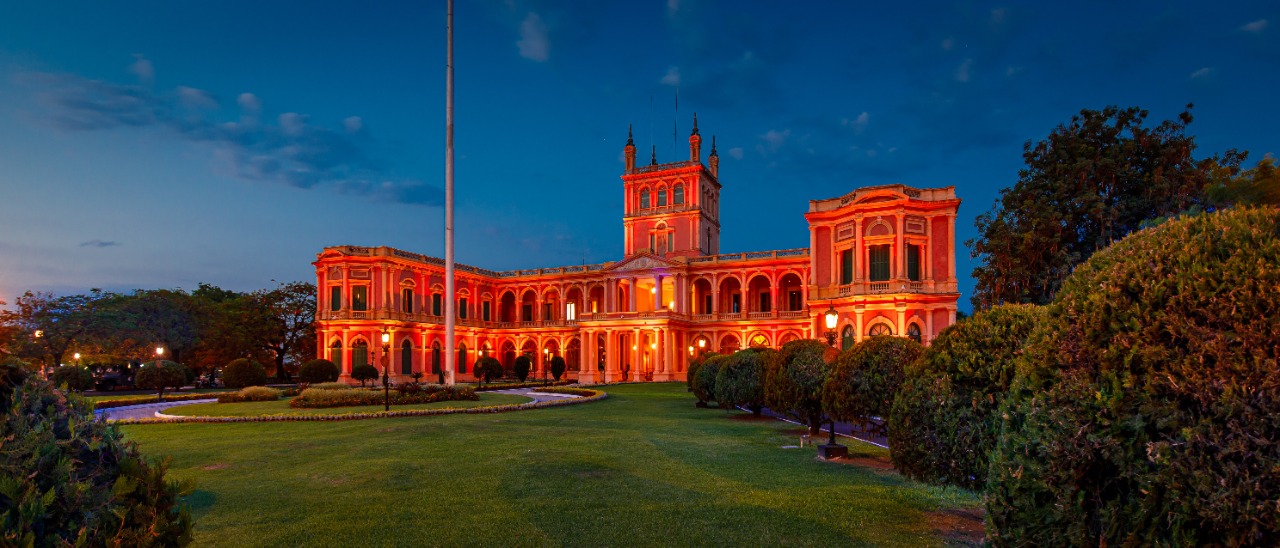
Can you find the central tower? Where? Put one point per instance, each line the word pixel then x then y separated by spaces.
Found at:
pixel 672 209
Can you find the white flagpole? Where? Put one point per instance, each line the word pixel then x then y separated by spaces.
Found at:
pixel 451 357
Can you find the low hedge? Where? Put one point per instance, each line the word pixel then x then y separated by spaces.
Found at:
pixel 251 393
pixel 139 400
pixel 570 391
pixel 330 386
pixel 352 397
pixel 515 385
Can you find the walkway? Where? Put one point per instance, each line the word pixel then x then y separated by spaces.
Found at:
pixel 143 411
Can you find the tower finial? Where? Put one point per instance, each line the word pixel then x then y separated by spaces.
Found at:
pixel 629 141
pixel 695 124
pixel 713 145
pixel 653 156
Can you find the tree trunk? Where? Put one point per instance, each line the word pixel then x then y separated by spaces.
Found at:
pixel 281 375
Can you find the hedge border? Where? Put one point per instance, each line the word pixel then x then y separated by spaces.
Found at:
pixel 597 396
pixel 145 400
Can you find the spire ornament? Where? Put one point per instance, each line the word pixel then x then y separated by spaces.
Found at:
pixel 695 124
pixel 653 156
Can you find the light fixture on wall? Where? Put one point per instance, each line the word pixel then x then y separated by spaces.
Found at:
pixel 831 317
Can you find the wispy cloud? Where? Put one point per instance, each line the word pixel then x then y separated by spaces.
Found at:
pixel 292 151
pixel 672 77
pixel 1255 26
pixel 1201 73
pixel 534 43
pixel 99 243
pixel 962 73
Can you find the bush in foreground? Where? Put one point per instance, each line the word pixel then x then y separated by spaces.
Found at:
pixel 251 393
pixel 704 382
pixel 243 372
pixel 865 378
pixel 945 417
pixel 318 371
pixel 159 377
pixel 740 380
pixel 75 378
pixel 1144 410
pixel 67 479
pixel 793 385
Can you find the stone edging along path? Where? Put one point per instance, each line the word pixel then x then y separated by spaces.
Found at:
pixel 566 400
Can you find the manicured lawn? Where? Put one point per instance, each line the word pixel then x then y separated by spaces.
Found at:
pixel 281 407
pixel 643 467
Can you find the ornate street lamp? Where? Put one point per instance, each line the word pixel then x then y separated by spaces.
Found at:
pixel 386 366
pixel 546 364
pixel 159 354
pixel 831 317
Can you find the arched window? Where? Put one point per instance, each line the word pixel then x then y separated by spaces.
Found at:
pixel 644 199
pixel 462 358
pixel 913 331
pixel 880 330
pixel 846 338
pixel 662 197
pixel 335 354
pixel 677 195
pixel 359 354
pixel 435 358
pixel 406 357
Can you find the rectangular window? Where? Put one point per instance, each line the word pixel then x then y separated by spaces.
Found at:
pixel 644 199
pixel 571 311
pixel 846 267
pixel 793 300
pixel 360 298
pixel 736 305
pixel 765 303
pixel 879 262
pixel 335 297
pixel 462 308
pixel 913 262
pixel 484 309
pixel 406 300
pixel 671 242
pixel 546 311
pixel 653 246
pixel 526 312
pixel 706 304
pixel 662 198
pixel 436 303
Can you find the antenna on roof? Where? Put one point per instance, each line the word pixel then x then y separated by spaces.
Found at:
pixel 675 123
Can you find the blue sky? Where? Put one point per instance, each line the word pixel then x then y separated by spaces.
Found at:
pixel 163 144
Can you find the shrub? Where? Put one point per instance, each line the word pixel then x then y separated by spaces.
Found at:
pixel 704 383
pixel 692 373
pixel 251 393
pixel 67 479
pixel 522 367
pixel 945 417
pixel 159 377
pixel 318 371
pixel 75 378
pixel 1144 406
pixel 488 369
pixel 557 367
pixel 315 399
pixel 793 384
pixel 364 372
pixel 865 379
pixel 408 388
pixel 243 372
pixel 740 380
pixel 330 386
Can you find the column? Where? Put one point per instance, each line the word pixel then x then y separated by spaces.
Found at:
pixel 634 373
pixel 345 305
pixel 537 308
pixel 858 258
pixel 659 302
pixel 773 293
pixel 857 326
pixel 951 254
pixel 902 320
pixel 927 259
pixel 631 293
pixel 813 254
pixel 900 265
pixel 928 326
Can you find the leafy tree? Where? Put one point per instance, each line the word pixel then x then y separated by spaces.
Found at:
pixel 794 385
pixel 228 322
pixel 362 373
pixel 865 379
pixel 164 316
pixel 557 367
pixel 59 322
pixel 1257 186
pixel 166 374
pixel 287 328
pixel 740 380
pixel 522 366
pixel 318 371
pixel 1091 182
pixel 68 479
pixel 74 377
pixel 245 372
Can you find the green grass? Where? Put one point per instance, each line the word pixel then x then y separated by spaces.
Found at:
pixel 281 407
pixel 643 467
pixel 145 396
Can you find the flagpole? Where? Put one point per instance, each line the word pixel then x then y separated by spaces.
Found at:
pixel 451 357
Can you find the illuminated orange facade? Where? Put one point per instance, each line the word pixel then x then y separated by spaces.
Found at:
pixel 883 257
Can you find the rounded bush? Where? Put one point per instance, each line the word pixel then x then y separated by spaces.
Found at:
pixel 243 372
pixel 557 367
pixel 793 383
pixel 364 372
pixel 69 479
pixel 159 377
pixel 330 386
pixel 318 371
pixel 865 378
pixel 1144 407
pixel 704 383
pixel 522 366
pixel 740 380
pixel 75 378
pixel 488 368
pixel 945 417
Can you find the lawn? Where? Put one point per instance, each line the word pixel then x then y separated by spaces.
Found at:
pixel 643 467
pixel 281 407
pixel 145 397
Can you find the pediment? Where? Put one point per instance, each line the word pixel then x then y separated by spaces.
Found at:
pixel 641 261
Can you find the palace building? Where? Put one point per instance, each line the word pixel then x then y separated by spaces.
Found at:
pixel 881 257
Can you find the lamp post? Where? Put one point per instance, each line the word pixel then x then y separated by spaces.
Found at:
pixel 546 363
pixel 831 317
pixel 386 366
pixel 159 354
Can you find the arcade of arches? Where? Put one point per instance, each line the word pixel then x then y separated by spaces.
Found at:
pixel 882 257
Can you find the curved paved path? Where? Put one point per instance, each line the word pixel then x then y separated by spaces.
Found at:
pixel 149 410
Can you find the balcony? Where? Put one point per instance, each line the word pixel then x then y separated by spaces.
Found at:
pixel 890 287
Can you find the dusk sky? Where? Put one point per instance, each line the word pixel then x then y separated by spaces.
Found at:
pixel 163 144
